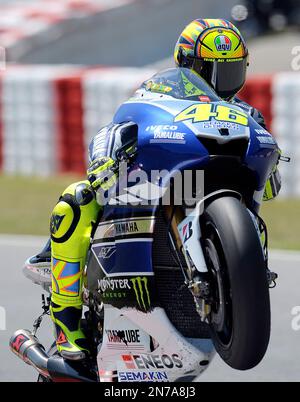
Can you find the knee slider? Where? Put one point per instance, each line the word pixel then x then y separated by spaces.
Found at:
pixel 64 218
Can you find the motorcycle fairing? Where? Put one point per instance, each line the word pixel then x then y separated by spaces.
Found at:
pixel 164 354
pixel 174 144
pixel 113 241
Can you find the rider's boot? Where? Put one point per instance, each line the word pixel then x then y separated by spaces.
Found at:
pixel 71 225
pixel 70 340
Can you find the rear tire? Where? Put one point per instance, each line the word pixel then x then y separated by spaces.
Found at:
pixel 240 319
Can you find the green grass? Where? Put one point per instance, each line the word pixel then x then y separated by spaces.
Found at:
pixel 26 205
pixel 283 221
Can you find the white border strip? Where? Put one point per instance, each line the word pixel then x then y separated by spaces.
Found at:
pixel 120 274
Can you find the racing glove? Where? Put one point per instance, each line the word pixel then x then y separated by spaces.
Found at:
pixel 102 173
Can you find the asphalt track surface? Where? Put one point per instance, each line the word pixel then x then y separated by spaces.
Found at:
pixel 134 35
pixel 21 300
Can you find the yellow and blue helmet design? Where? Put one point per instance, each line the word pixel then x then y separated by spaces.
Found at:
pixel 216 50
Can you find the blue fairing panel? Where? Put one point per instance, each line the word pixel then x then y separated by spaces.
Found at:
pixel 182 150
pixel 130 257
pixel 168 143
pixel 262 153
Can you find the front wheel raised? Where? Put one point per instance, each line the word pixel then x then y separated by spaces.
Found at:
pixel 240 317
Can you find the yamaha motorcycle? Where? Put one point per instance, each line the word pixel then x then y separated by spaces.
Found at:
pixel 168 284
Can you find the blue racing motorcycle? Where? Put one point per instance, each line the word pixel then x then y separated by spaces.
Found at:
pixel 176 269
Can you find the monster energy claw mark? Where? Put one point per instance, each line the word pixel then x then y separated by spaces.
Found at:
pixel 140 286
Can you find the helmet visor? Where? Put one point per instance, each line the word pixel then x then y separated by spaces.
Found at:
pixel 226 76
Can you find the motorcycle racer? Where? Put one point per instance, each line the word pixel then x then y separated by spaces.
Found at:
pixel 214 49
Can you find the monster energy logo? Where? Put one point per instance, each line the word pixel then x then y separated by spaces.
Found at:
pixel 140 286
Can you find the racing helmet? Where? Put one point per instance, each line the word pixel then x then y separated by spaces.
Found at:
pixel 216 50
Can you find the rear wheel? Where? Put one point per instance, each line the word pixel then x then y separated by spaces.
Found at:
pixel 240 317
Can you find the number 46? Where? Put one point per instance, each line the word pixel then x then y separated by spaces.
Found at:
pixel 205 112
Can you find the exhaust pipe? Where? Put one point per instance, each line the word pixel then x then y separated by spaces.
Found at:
pixel 28 348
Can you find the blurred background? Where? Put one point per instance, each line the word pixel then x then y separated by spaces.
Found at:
pixel 65 67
